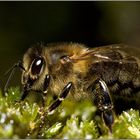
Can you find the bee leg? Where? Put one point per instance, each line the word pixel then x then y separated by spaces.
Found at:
pixel 54 105
pixel 45 88
pixel 108 118
pixel 60 98
pixel 24 95
pixel 105 105
pixel 27 89
pixel 46 84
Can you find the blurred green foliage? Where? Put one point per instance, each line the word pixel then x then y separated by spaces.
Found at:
pixel 70 120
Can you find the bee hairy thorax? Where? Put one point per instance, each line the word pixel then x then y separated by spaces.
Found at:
pixel 65 75
pixel 63 70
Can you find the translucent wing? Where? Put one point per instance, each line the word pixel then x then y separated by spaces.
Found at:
pixel 119 53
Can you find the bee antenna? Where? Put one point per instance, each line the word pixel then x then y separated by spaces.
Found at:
pixel 11 71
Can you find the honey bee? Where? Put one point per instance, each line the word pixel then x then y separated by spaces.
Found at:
pixel 108 76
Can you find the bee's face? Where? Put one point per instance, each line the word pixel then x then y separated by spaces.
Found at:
pixel 38 62
pixel 35 67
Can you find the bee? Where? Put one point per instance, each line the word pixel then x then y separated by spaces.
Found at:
pixel 108 76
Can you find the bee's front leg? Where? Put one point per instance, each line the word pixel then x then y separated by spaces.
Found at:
pixel 104 103
pixel 28 87
pixel 46 84
pixel 63 94
pixel 45 88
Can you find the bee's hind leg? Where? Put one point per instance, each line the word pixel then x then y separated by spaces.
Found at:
pixel 104 103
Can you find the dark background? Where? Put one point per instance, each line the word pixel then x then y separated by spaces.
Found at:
pixel 92 23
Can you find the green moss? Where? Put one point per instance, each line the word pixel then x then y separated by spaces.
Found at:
pixel 70 120
pixel 127 125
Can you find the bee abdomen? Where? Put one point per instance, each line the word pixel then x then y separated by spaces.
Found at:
pixel 125 95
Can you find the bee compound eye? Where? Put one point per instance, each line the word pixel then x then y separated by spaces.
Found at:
pixel 37 65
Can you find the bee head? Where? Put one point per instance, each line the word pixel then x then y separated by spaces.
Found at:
pixel 35 69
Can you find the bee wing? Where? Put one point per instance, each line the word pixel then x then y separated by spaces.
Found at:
pixel 115 53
